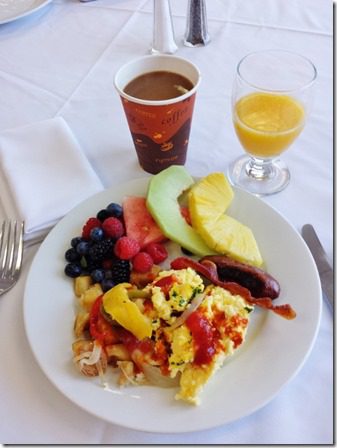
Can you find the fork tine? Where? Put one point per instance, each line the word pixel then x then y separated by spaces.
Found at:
pixel 19 246
pixel 11 248
pixel 2 238
pixel 11 253
pixel 5 237
pixel 11 245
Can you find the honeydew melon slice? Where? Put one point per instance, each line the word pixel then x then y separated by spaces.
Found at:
pixel 162 202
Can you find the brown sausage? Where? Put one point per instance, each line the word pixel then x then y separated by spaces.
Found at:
pixel 259 282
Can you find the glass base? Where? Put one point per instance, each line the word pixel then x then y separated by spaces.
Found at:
pixel 258 176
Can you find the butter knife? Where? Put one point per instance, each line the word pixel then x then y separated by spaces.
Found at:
pixel 323 265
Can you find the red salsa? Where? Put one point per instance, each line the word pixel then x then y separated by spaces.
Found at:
pixel 204 337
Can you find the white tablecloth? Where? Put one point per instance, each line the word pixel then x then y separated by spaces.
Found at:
pixel 61 61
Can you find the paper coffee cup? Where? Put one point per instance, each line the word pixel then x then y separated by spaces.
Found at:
pixel 160 129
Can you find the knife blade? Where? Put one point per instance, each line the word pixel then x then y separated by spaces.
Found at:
pixel 322 262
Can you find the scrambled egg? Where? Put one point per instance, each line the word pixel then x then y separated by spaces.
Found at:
pixel 225 315
pixel 188 283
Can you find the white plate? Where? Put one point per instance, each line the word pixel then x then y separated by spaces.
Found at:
pixel 15 9
pixel 274 351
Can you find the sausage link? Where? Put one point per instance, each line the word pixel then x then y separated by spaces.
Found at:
pixel 259 282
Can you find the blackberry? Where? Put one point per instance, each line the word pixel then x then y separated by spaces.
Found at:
pixel 88 265
pixel 101 250
pixel 120 271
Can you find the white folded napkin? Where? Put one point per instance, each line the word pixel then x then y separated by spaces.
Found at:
pixel 43 174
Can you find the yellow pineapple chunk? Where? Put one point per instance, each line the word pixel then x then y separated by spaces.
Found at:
pixel 208 201
pixel 228 236
pixel 210 197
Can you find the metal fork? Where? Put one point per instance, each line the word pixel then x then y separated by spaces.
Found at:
pixel 11 249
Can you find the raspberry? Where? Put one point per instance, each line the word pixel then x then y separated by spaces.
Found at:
pixel 126 248
pixel 157 251
pixel 88 226
pixel 142 262
pixel 113 228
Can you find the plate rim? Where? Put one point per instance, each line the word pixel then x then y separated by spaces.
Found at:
pixel 25 12
pixel 145 180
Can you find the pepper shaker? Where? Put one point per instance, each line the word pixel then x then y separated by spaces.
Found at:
pixel 163 34
pixel 196 26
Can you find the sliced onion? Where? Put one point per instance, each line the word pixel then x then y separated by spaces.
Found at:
pixel 81 356
pixel 193 306
pixel 125 373
pixel 101 374
pixel 154 376
pixel 90 358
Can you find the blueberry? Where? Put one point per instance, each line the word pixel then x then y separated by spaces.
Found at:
pixel 97 275
pixel 96 234
pixel 73 270
pixel 102 215
pixel 72 255
pixel 114 210
pixel 74 242
pixel 107 284
pixel 82 248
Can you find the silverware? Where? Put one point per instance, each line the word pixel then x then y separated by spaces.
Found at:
pixel 11 248
pixel 323 265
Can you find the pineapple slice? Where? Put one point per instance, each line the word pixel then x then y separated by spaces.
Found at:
pixel 208 200
pixel 228 236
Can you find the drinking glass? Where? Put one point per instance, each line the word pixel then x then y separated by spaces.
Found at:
pixel 271 99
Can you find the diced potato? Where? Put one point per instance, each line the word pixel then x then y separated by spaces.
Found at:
pixel 89 296
pixel 81 323
pixel 81 284
pixel 117 352
pixel 82 345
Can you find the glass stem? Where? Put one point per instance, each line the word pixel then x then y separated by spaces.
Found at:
pixel 260 169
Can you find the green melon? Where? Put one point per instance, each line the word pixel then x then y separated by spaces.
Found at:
pixel 139 223
pixel 162 202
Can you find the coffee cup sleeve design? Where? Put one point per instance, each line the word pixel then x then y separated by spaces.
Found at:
pixel 160 133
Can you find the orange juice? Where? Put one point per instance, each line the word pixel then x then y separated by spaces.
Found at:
pixel 266 123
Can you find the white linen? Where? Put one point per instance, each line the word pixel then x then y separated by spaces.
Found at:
pixel 43 174
pixel 61 61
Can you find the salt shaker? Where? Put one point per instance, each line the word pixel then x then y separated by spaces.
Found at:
pixel 163 34
pixel 196 27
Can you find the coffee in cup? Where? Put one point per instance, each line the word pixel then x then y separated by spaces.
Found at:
pixel 158 95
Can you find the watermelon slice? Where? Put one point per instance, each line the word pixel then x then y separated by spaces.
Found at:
pixel 139 223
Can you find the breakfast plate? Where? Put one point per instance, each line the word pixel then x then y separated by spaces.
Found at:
pixel 274 351
pixel 15 9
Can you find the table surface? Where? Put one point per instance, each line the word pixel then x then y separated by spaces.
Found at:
pixel 60 61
